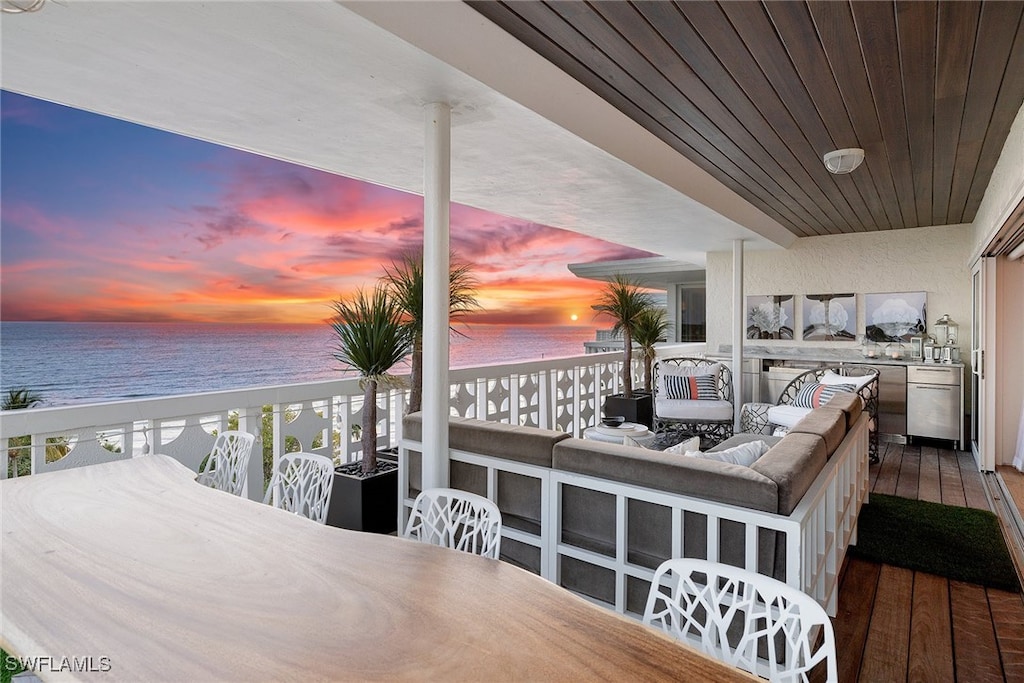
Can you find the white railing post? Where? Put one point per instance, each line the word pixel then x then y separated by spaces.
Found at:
pixel 278 421
pixel 544 405
pixel 250 419
pixel 514 396
pixel 481 399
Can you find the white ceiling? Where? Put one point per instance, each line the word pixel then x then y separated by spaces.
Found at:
pixel 320 84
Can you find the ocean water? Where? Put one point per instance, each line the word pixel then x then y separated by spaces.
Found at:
pixel 77 363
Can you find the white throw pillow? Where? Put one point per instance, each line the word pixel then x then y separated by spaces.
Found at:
pixel 832 378
pixel 746 454
pixel 692 444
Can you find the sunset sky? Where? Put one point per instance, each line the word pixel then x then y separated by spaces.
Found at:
pixel 102 220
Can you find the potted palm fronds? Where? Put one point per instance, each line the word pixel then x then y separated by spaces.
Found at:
pixel 372 336
pixel 652 327
pixel 404 281
pixel 625 302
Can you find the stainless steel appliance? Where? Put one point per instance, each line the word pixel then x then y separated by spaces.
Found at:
pixel 892 403
pixel 934 406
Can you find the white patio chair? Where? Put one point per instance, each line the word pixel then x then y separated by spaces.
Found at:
pixel 456 519
pixel 747 620
pixel 302 483
pixel 227 468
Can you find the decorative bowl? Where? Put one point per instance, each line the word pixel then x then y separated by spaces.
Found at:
pixel 613 421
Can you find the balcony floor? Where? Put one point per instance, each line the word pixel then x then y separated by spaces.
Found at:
pixel 895 624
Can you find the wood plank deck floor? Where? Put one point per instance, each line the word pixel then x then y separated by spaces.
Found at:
pixel 895 624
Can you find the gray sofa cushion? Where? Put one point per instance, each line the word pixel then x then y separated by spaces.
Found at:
pixel 528 445
pixel 849 403
pixel 793 464
pixel 717 481
pixel 824 422
pixel 742 438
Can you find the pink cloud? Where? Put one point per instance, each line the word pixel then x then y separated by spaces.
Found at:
pixel 277 245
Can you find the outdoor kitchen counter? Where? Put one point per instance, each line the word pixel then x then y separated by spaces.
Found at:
pixel 825 356
pixel 901 411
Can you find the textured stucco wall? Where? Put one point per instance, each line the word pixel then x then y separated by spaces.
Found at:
pixel 932 260
pixel 1005 188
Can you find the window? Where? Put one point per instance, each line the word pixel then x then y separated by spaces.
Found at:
pixel 692 310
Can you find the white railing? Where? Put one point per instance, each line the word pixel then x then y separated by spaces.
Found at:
pixel 817 533
pixel 320 417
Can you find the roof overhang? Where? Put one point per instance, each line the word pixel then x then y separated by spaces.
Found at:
pixel 657 271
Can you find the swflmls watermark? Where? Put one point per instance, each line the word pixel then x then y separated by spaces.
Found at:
pixel 45 664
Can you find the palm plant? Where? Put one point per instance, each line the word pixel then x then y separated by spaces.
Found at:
pixel 652 326
pixel 372 336
pixel 624 301
pixel 404 281
pixel 19 398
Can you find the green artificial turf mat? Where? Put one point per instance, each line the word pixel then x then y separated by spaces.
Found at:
pixel 8 666
pixel 955 542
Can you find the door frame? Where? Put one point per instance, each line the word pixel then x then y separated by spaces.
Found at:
pixel 983 357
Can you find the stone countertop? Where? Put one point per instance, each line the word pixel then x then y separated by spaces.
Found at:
pixel 820 354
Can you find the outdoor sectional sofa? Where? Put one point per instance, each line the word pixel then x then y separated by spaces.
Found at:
pixel 598 518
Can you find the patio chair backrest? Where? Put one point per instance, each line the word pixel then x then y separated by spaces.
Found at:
pixel 869 392
pixel 724 375
pixel 456 519
pixel 227 467
pixel 302 483
pixel 747 620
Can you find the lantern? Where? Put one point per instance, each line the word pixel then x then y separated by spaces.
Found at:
pixel 947 332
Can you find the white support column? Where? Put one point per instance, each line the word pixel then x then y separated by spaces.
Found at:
pixel 739 314
pixel 436 198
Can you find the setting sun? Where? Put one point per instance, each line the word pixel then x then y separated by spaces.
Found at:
pixel 574 317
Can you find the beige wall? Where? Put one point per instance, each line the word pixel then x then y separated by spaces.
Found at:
pixel 932 260
pixel 1004 190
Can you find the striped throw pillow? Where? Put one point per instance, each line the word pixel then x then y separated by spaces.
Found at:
pixel 693 387
pixel 815 395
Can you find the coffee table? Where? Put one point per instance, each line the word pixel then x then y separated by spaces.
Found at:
pixel 637 434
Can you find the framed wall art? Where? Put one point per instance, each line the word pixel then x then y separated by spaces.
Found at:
pixel 895 316
pixel 770 316
pixel 829 317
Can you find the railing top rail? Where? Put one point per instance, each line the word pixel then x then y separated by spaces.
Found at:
pixel 35 420
pixel 62 418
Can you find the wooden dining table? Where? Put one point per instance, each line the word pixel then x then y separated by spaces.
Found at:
pixel 136 570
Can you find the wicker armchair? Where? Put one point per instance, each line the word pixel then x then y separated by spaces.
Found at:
pixel 712 420
pixel 763 418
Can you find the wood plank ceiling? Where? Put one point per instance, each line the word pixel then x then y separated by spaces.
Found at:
pixel 755 93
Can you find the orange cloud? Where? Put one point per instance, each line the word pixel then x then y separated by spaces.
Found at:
pixel 276 243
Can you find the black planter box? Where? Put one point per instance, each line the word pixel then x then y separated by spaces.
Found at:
pixel 639 409
pixel 369 504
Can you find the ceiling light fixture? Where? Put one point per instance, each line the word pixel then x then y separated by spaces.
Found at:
pixel 842 161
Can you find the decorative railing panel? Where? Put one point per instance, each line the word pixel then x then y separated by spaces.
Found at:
pixel 319 417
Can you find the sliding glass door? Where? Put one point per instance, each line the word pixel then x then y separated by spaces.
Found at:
pixel 982 340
